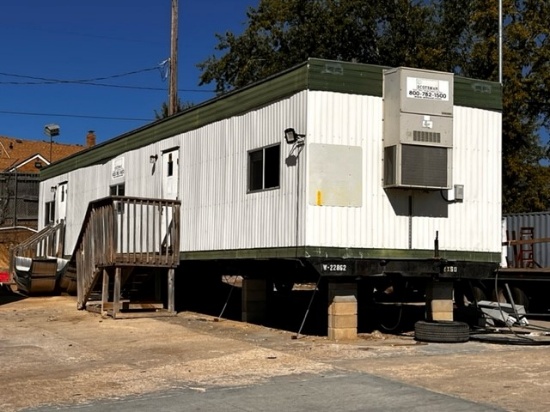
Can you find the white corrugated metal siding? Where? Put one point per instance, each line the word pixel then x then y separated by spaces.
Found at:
pixel 382 222
pixel 353 120
pixel 474 224
pixel 218 213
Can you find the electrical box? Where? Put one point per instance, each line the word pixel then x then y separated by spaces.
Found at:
pixel 418 129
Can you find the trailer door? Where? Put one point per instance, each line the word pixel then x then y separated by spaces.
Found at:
pixel 170 184
pixel 61 202
pixel 170 174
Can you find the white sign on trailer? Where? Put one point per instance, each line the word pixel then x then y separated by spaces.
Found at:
pixel 429 89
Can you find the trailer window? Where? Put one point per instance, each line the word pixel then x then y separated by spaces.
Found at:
pixel 117 190
pixel 49 213
pixel 264 168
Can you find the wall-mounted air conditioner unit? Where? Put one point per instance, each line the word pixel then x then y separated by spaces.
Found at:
pixel 418 129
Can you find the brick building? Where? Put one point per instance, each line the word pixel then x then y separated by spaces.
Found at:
pixel 29 156
pixel 20 164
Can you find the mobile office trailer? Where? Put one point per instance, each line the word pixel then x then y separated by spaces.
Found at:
pixel 332 169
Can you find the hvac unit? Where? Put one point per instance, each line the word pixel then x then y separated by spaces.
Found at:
pixel 418 129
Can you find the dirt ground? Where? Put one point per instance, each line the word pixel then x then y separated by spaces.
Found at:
pixel 51 353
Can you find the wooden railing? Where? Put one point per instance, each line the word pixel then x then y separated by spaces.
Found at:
pixel 126 231
pixel 46 243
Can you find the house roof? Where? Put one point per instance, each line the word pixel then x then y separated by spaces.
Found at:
pixel 22 154
pixel 314 74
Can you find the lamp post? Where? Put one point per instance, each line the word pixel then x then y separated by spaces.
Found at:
pixel 51 130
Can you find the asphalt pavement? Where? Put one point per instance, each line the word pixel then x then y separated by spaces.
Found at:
pixel 331 392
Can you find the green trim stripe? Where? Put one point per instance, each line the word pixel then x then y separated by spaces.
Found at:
pixel 328 253
pixel 479 94
pixel 342 77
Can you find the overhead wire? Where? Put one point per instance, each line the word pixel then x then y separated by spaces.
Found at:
pixel 51 80
pixel 76 116
pixel 37 80
pixel 94 81
pixel 116 86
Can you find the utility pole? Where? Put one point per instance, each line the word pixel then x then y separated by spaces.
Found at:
pixel 173 92
pixel 500 42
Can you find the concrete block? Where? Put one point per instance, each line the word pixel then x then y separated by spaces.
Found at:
pixel 440 305
pixel 255 306
pixel 341 289
pixel 342 321
pixel 342 333
pixel 254 294
pixel 343 308
pixel 440 316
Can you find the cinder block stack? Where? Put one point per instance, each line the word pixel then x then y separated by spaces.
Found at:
pixel 254 300
pixel 439 300
pixel 342 311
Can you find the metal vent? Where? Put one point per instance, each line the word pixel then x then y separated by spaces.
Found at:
pixel 429 137
pixel 424 166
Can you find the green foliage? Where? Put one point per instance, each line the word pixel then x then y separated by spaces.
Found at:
pixel 459 36
pixel 179 108
pixel 526 77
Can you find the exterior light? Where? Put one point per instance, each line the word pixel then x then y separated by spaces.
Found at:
pixel 153 158
pixel 292 137
pixel 53 189
pixel 51 130
pixel 38 164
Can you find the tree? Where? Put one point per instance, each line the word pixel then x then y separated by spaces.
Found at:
pixel 459 36
pixel 526 78
pixel 281 34
pixel 179 108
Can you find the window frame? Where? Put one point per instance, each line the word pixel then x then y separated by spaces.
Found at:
pixel 116 188
pixel 249 173
pixel 49 212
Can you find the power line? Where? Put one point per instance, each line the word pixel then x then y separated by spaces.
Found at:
pixel 75 116
pixel 116 86
pixel 93 81
pixel 51 80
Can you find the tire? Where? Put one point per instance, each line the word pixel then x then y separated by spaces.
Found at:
pixel 499 295
pixel 441 331
pixel 519 296
pixel 467 294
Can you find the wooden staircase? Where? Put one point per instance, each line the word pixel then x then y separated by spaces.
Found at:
pixel 47 242
pixel 125 244
pixel 36 264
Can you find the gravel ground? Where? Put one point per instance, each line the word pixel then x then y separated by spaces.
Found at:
pixel 52 353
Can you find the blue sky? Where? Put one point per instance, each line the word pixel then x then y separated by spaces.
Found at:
pixel 85 39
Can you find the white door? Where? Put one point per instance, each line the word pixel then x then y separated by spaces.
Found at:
pixel 170 184
pixel 61 202
pixel 170 173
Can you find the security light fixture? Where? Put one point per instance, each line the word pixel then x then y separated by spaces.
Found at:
pixel 53 189
pixel 153 158
pixel 38 164
pixel 292 137
pixel 51 130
